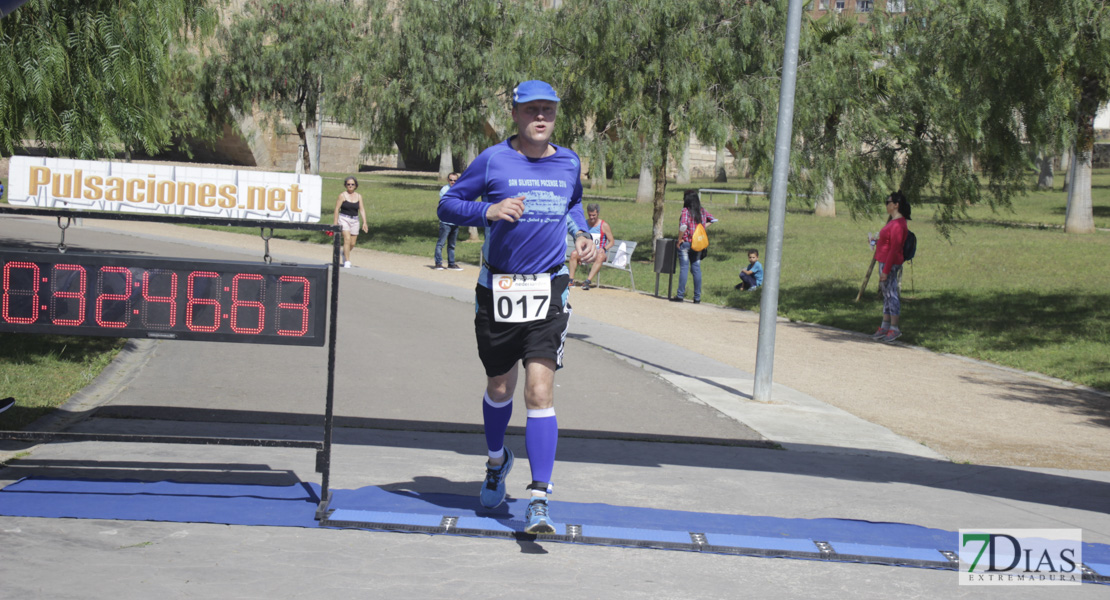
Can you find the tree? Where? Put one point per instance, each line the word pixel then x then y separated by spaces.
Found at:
pixel 838 108
pixel 433 74
pixel 92 77
pixel 951 106
pixel 1083 27
pixel 1025 72
pixel 648 72
pixel 282 57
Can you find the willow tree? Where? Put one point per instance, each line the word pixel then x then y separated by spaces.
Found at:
pixel 89 78
pixel 1081 32
pixel 946 116
pixel 1033 73
pixel 282 57
pixel 1010 74
pixel 433 76
pixel 651 71
pixel 838 110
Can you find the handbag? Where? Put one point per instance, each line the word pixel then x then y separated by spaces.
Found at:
pixel 700 240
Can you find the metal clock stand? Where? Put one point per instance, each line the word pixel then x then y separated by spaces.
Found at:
pixel 323 449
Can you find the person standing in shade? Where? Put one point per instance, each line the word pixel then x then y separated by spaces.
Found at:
pixel 448 233
pixel 528 187
pixel 603 238
pixel 888 253
pixel 689 261
pixel 349 209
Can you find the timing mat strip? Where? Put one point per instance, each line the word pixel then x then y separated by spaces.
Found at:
pixel 714 543
pixel 381 509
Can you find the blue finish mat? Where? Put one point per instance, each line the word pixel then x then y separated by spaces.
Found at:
pixel 127 500
pixel 378 509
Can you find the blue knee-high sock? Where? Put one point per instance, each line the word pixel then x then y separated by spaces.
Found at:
pixel 495 417
pixel 541 436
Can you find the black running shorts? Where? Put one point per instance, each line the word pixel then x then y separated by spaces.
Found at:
pixel 501 345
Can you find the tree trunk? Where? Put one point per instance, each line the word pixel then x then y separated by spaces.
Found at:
pixel 1046 175
pixel 1080 217
pixel 1080 213
pixel 826 199
pixel 302 133
pixel 683 176
pixel 315 139
pixel 1065 166
pixel 318 131
pixel 719 173
pixel 597 167
pixel 471 154
pixel 659 196
pixel 446 163
pixel 645 190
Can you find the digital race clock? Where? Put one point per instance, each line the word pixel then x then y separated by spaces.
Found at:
pixel 169 298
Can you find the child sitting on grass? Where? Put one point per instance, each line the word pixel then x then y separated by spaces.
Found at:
pixel 752 277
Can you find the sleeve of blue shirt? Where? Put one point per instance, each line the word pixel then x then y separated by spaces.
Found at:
pixel 456 206
pixel 757 270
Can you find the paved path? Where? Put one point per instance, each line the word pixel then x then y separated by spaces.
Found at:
pixel 648 422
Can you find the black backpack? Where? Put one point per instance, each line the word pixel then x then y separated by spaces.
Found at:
pixel 909 247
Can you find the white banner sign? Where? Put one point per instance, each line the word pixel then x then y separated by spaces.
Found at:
pixel 161 189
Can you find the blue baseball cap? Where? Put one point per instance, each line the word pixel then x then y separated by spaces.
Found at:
pixel 534 89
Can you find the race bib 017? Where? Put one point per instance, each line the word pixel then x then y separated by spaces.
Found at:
pixel 521 298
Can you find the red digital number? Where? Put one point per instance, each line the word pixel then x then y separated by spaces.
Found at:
pixel 301 306
pixel 160 283
pixel 62 293
pixel 103 296
pixel 5 311
pixel 237 303
pixel 196 304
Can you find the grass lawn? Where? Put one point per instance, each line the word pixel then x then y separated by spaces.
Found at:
pixel 1008 286
pixel 43 371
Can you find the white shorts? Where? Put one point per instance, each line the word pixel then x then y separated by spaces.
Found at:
pixel 348 223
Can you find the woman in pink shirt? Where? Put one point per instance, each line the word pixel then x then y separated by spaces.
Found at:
pixel 689 260
pixel 888 253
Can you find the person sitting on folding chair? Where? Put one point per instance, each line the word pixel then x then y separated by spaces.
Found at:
pixel 603 238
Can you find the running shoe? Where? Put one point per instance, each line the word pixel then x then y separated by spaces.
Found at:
pixel 439 266
pixel 586 285
pixel 538 520
pixel 879 334
pixel 454 267
pixel 892 335
pixel 347 264
pixel 493 488
pixel 6 403
pixel 676 299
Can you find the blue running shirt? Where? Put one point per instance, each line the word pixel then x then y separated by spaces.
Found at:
pixel 552 187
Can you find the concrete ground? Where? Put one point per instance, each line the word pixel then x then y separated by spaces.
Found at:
pixel 646 421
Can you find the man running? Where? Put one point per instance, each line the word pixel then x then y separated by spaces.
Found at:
pixel 528 187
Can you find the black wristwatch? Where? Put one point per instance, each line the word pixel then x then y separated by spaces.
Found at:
pixel 583 233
